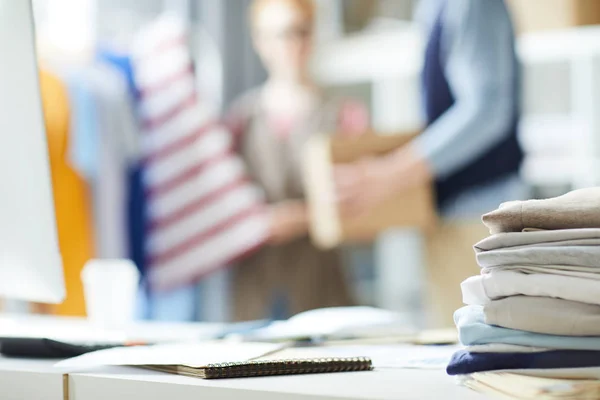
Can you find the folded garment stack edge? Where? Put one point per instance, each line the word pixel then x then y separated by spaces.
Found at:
pixel 536 303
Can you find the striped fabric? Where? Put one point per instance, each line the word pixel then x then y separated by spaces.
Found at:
pixel 203 210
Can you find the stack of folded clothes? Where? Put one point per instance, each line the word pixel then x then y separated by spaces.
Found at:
pixel 536 303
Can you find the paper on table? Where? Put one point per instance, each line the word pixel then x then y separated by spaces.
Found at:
pixel 516 386
pixel 389 356
pixel 335 322
pixel 190 354
pixel 402 356
pixel 561 373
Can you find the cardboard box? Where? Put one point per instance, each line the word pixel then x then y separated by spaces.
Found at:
pixel 542 15
pixel 413 208
pixel 450 260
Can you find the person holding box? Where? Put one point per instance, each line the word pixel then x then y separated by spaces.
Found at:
pixel 470 92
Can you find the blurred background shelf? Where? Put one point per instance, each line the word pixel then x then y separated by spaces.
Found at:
pixel 561 92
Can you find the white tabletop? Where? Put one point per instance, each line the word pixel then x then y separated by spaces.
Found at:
pixel 37 379
pixel 381 384
pixel 30 379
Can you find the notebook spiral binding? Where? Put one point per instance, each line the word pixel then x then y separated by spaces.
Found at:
pixel 286 367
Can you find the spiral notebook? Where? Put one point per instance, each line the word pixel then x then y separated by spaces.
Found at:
pixel 269 368
pixel 220 359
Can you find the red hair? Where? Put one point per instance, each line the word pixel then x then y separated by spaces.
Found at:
pixel 306 7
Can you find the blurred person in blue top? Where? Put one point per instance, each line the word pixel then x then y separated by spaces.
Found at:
pixel 470 92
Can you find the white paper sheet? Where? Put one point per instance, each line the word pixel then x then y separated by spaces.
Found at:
pixel 396 356
pixel 560 373
pixel 192 354
pixel 336 322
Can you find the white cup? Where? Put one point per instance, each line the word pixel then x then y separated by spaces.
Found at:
pixel 110 288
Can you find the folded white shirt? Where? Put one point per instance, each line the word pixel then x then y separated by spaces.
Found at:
pixel 562 270
pixel 482 289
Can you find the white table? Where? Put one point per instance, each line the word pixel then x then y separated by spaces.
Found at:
pixel 30 379
pixel 37 379
pixel 118 383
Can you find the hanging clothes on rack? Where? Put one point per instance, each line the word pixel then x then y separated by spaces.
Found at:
pixel 105 145
pixel 135 198
pixel 135 206
pixel 203 211
pixel 71 197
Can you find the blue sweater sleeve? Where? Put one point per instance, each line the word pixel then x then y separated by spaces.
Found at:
pixel 482 72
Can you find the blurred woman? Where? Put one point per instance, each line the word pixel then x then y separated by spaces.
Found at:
pixel 271 124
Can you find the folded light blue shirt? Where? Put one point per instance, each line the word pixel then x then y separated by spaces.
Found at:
pixel 473 330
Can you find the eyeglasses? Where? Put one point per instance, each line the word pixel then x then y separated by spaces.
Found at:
pixel 291 33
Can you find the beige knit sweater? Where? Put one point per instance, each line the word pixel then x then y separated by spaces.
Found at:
pixel 576 209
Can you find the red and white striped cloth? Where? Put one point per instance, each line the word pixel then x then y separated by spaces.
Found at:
pixel 203 210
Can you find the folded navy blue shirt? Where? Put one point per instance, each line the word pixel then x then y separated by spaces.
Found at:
pixel 464 362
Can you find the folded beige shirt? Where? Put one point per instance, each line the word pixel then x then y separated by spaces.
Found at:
pixel 562 237
pixel 584 256
pixel 576 209
pixel 544 315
